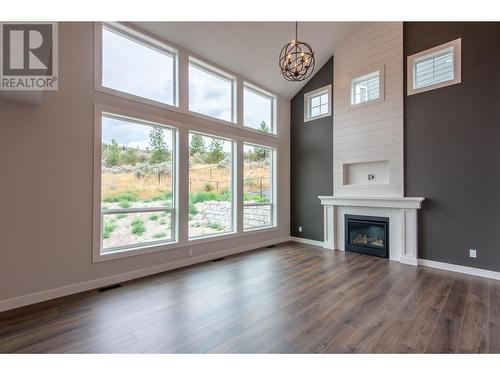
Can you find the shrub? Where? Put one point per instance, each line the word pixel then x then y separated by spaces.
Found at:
pixel 208 187
pixel 138 227
pixel 107 229
pixel 159 235
pixel 153 217
pixel 202 196
pixel 121 216
pixel 124 204
pixel 215 226
pixel 192 209
pixel 255 197
pixel 163 222
pixel 129 196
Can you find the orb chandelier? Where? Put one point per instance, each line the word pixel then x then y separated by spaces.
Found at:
pixel 296 60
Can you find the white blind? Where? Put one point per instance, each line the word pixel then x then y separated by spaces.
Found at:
pixel 365 88
pixel 437 68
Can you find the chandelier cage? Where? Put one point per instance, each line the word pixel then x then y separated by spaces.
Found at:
pixel 296 60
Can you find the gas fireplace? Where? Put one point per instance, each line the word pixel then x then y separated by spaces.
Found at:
pixel 367 235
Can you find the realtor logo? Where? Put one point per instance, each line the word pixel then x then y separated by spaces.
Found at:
pixel 28 59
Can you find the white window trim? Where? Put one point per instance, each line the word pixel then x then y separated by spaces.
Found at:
pixel 209 69
pixel 182 79
pixel 274 182
pixel 307 102
pixel 267 95
pixel 381 85
pixel 134 249
pixel 456 45
pixel 145 40
pixel 234 189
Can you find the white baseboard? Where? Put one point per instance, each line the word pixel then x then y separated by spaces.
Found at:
pixel 422 262
pixel 45 295
pixel 461 269
pixel 307 241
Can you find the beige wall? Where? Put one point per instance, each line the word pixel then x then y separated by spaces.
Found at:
pixel 46 179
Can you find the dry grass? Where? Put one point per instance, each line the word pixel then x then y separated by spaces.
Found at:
pixel 199 175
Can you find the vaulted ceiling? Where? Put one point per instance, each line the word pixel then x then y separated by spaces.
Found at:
pixel 251 49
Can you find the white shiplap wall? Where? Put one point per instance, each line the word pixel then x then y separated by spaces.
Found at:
pixel 371 131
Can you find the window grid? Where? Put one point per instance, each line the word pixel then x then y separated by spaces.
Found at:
pixel 317 103
pixel 366 88
pixel 434 69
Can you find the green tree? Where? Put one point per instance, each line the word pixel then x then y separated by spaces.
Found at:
pixel 197 145
pixel 264 127
pixel 112 154
pixel 215 152
pixel 130 156
pixel 159 148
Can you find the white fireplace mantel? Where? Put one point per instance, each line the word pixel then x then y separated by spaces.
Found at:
pixel 403 223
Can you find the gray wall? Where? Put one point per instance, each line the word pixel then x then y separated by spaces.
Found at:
pixel 453 147
pixel 311 161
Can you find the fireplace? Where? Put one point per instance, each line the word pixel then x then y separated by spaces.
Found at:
pixel 367 235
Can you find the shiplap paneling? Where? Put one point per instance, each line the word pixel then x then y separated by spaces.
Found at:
pixel 371 131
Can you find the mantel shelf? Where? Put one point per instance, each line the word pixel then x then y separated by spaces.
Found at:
pixel 388 202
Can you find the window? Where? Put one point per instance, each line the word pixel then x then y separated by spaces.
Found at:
pixel 434 68
pixel 258 109
pixel 137 175
pixel 211 203
pixel 135 64
pixel 366 88
pixel 258 187
pixel 317 103
pixel 211 92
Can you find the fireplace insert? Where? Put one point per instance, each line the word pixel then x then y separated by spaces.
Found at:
pixel 367 235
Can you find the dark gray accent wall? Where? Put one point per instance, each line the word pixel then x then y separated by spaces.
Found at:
pixel 311 161
pixel 452 146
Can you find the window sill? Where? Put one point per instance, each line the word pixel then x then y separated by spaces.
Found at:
pixel 135 251
pixel 307 119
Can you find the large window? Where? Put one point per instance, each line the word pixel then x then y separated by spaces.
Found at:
pixel 434 68
pixel 317 103
pixel 210 92
pixel 137 65
pixel 258 109
pixel 211 204
pixel 137 184
pixel 258 186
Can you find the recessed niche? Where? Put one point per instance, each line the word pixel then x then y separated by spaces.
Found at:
pixel 366 173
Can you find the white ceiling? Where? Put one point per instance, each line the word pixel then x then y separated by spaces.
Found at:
pixel 251 49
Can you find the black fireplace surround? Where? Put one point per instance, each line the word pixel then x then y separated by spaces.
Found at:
pixel 367 235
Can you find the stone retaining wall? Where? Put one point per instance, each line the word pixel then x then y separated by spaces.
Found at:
pixel 215 212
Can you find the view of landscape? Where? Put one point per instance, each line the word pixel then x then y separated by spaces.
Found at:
pixel 137 179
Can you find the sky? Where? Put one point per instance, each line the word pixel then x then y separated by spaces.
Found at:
pixel 133 68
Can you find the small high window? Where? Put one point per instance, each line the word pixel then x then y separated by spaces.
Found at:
pixel 317 103
pixel 137 65
pixel 211 92
pixel 434 68
pixel 366 88
pixel 258 109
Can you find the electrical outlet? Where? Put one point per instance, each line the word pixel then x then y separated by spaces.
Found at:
pixel 190 252
pixel 371 176
pixel 472 253
pixel 300 229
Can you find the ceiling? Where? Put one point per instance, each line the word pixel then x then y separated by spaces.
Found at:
pixel 251 49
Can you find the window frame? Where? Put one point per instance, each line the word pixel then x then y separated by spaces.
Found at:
pixel 360 75
pixel 274 187
pixel 258 91
pixel 308 97
pixel 98 215
pixel 209 69
pixel 145 40
pixel 455 46
pixel 234 189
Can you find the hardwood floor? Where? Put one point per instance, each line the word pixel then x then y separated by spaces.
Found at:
pixel 291 298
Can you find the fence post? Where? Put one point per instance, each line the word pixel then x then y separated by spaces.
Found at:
pixel 260 183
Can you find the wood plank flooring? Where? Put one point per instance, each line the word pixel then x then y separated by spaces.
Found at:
pixel 291 298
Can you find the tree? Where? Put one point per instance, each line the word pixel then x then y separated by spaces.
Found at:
pixel 264 127
pixel 215 152
pixel 112 154
pixel 159 149
pixel 130 156
pixel 197 145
